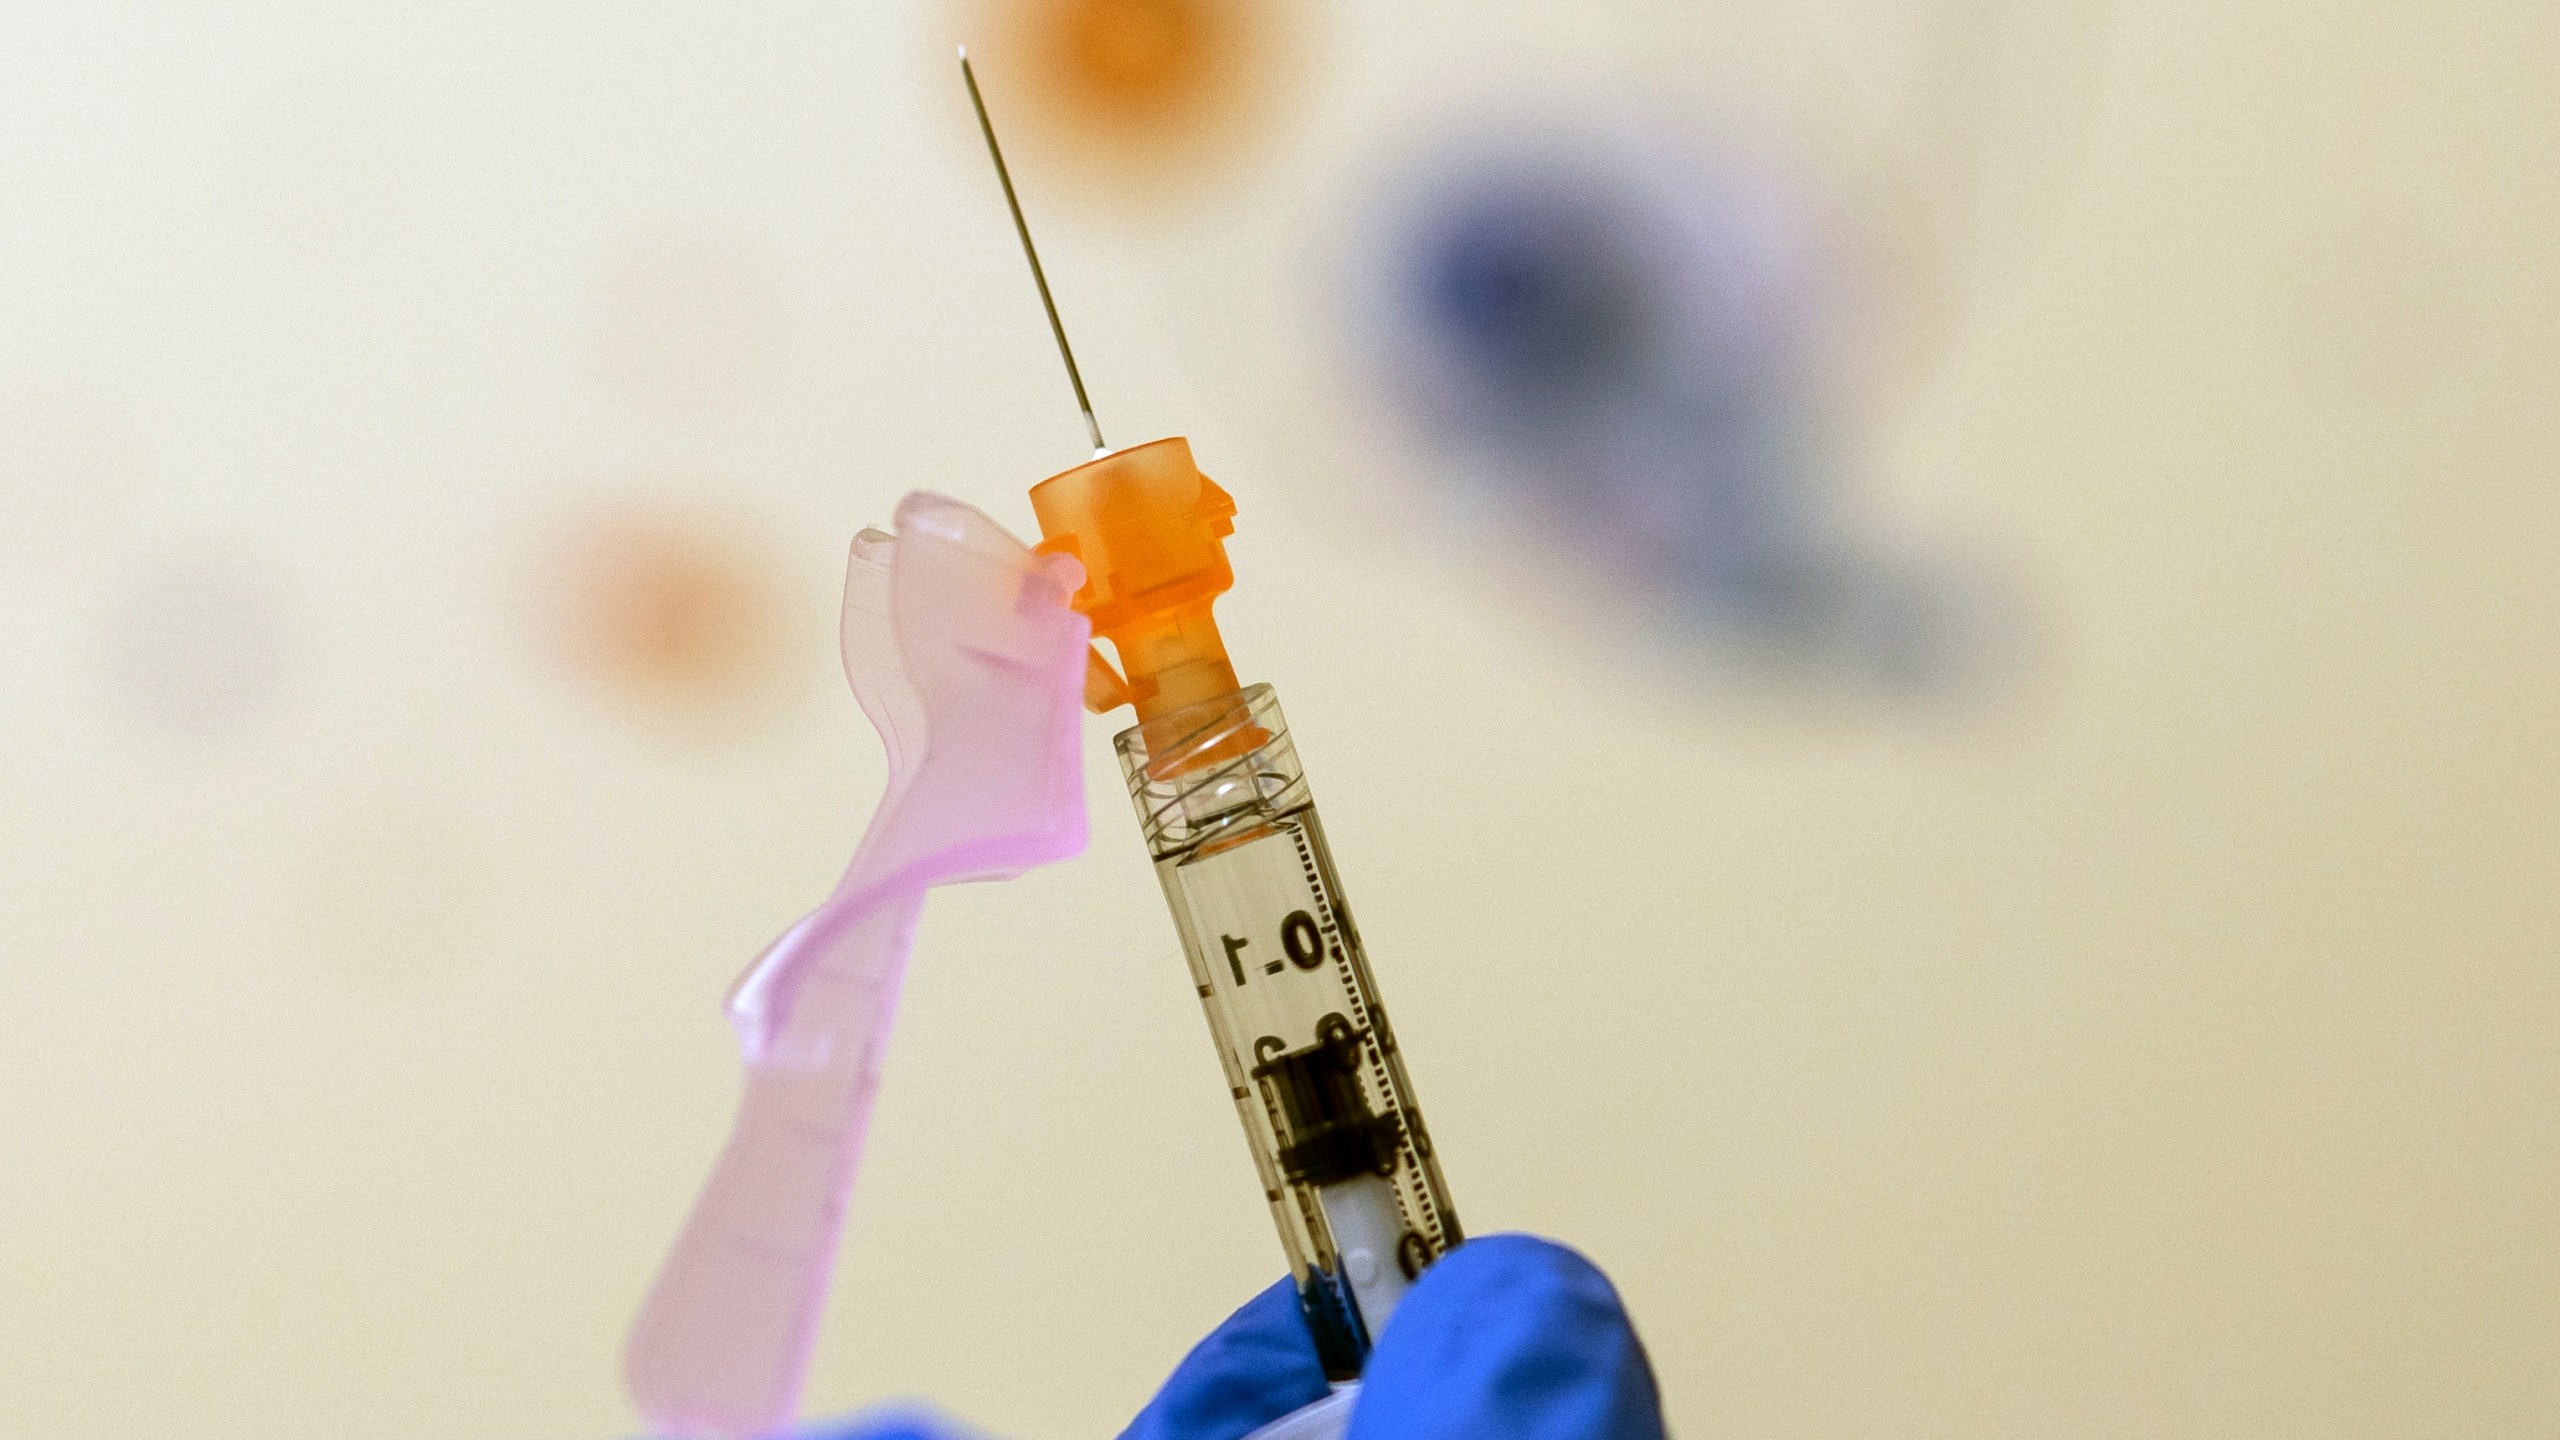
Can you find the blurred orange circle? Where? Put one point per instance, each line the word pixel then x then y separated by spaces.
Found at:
pixel 659 610
pixel 1129 83
pixel 1138 59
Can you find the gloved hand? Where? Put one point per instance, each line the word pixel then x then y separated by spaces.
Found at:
pixel 1509 1336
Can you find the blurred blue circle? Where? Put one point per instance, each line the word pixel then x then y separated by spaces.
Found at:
pixel 1533 289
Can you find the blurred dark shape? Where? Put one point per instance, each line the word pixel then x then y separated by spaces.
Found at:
pixel 1131 88
pixel 1640 349
pixel 1538 293
pixel 665 613
pixel 199 649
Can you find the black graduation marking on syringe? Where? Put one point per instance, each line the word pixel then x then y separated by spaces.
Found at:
pixel 1328 1132
pixel 1301 942
pixel 1413 1255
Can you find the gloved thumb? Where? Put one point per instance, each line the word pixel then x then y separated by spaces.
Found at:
pixel 1509 1336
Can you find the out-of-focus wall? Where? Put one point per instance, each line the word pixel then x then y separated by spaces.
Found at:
pixel 429 438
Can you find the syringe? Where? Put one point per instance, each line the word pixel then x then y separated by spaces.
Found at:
pixel 1310 1058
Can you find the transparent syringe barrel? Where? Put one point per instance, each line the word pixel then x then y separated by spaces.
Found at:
pixel 1345 1158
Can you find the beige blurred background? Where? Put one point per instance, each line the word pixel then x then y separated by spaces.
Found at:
pixel 2163 1045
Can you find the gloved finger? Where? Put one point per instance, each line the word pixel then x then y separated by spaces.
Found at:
pixel 1509 1336
pixel 1255 1368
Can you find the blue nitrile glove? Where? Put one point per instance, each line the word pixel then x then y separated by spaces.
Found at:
pixel 1509 1336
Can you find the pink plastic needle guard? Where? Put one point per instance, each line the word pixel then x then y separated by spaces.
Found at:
pixel 963 652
